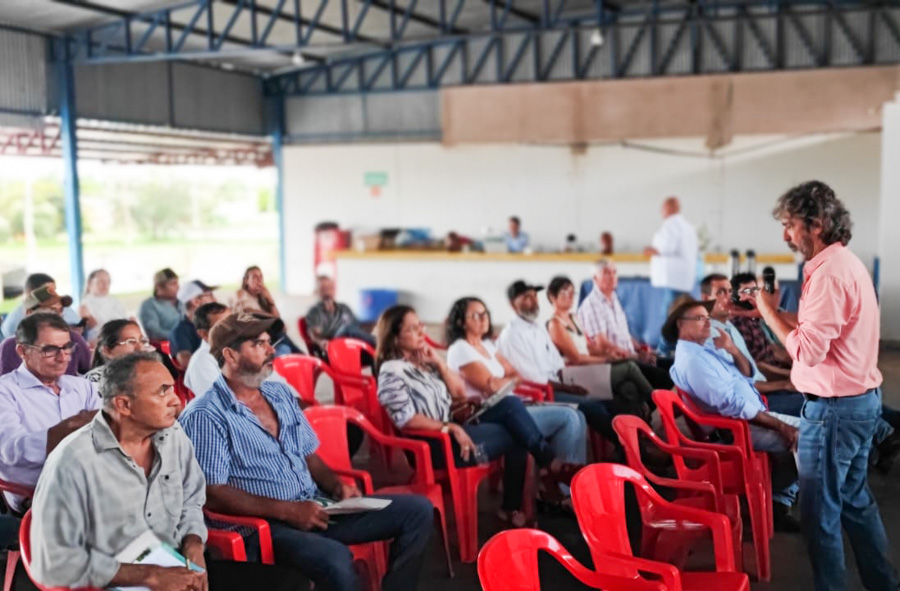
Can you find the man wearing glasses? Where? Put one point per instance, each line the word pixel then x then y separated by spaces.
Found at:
pixel 719 387
pixel 45 299
pixel 39 403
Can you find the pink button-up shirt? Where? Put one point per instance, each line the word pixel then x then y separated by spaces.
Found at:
pixel 835 344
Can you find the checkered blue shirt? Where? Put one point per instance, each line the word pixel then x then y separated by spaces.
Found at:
pixel 233 448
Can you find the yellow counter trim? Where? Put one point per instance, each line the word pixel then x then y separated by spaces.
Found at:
pixel 585 257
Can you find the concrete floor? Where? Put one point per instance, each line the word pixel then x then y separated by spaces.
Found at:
pixel 790 570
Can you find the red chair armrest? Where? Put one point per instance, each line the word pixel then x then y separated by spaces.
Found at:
pixel 229 543
pixel 360 475
pixel 703 488
pixel 717 523
pixel 419 449
pixel 670 576
pixel 444 438
pixel 547 389
pixel 14 488
pixel 263 531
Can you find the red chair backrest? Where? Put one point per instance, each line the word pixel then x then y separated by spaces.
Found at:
pixel 509 562
pixel 301 372
pixel 598 495
pixel 330 424
pixel 25 553
pixel 345 355
pixel 304 334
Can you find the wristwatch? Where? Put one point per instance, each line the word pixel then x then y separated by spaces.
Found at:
pixel 445 428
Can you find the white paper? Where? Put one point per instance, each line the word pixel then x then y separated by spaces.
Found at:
pixel 595 378
pixel 357 505
pixel 149 549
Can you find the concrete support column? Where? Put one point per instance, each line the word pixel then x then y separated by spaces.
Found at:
pixel 889 237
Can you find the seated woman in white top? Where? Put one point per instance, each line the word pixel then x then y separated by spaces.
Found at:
pixel 416 389
pixel 97 306
pixel 116 338
pixel 473 354
pixel 629 386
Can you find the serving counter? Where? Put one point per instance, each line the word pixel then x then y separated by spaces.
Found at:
pixel 431 280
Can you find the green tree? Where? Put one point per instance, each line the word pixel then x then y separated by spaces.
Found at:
pixel 160 208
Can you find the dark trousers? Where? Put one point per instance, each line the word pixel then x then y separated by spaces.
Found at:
pixel 598 413
pixel 225 575
pixel 658 377
pixel 324 557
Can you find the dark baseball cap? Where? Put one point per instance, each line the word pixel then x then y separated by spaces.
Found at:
pixel 239 327
pixel 519 287
pixel 670 328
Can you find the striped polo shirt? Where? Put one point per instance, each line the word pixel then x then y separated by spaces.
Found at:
pixel 233 448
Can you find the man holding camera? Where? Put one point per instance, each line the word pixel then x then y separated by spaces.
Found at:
pixel 834 347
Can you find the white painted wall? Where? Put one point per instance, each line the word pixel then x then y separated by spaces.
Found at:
pixel 889 214
pixel 556 191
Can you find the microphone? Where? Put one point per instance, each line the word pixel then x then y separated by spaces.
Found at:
pixel 768 276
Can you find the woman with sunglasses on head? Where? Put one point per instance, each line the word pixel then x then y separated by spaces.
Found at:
pixel 474 355
pixel 254 296
pixel 116 339
pixel 630 389
pixel 417 389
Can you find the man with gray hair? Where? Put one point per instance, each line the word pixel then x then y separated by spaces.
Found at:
pixel 39 403
pixel 130 470
pixel 834 347
pixel 604 322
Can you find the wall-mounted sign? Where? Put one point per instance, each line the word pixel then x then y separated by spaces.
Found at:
pixel 375 181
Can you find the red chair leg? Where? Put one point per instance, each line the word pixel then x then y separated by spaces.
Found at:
pixel 756 501
pixel 12 559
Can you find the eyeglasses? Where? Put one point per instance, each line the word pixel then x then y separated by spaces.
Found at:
pixel 48 351
pixel 750 291
pixel 132 342
pixel 699 318
pixel 478 315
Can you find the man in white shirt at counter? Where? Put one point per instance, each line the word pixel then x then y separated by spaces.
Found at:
pixel 673 256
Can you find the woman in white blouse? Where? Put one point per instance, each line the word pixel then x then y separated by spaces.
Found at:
pixel 416 389
pixel 630 388
pixel 473 354
pixel 97 306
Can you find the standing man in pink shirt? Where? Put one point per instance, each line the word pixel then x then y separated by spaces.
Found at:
pixel 834 346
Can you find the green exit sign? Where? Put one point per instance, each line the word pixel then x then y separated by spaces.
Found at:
pixel 375 179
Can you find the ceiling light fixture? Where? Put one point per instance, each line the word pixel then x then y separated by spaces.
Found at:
pixel 596 38
pixel 297 59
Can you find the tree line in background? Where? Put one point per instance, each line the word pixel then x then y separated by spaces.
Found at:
pixel 153 209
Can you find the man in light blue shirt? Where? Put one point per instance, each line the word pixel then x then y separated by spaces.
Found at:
pixel 516 239
pixel 32 282
pixel 719 387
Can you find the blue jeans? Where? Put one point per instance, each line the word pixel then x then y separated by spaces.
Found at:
pixel 771 441
pixel 505 431
pixel 9 531
pixel 598 413
pixel 566 430
pixel 324 557
pixel 835 438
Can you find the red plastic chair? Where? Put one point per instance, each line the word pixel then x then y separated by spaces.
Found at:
pixel 463 484
pixel 302 372
pixel 311 346
pixel 330 424
pixel 345 358
pixel 25 549
pixel 12 557
pixel 598 493
pixel 434 344
pixel 361 552
pixel 509 562
pixel 702 491
pixel 743 471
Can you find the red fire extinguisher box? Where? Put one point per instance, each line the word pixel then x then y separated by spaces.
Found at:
pixel 329 239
